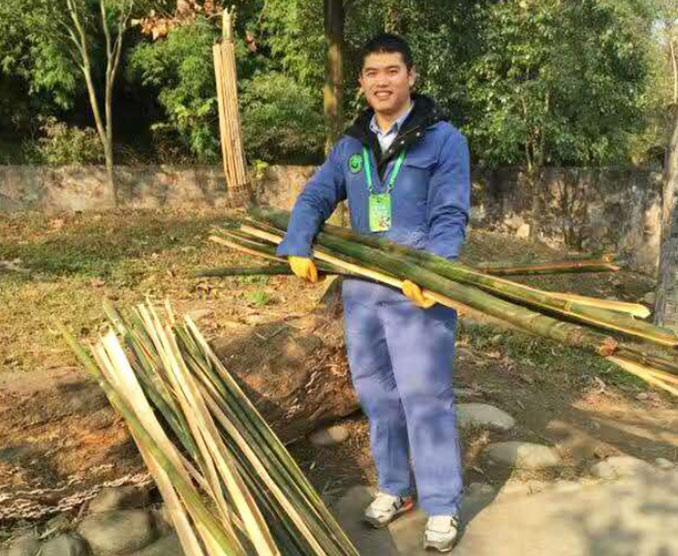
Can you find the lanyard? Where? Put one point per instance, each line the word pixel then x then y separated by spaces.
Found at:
pixel 391 177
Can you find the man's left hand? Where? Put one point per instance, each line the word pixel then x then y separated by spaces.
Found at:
pixel 413 292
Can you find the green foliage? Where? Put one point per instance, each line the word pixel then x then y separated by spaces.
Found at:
pixel 179 69
pixel 293 33
pixel 64 144
pixel 650 145
pixel 258 298
pixel 281 118
pixel 556 83
pixel 443 38
pixel 531 82
pixel 32 49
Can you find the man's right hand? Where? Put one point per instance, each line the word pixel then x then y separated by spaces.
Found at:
pixel 304 268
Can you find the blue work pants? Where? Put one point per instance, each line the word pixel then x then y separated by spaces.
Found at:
pixel 401 365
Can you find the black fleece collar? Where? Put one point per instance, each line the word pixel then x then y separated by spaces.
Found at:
pixel 424 114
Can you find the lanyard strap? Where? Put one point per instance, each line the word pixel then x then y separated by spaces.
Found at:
pixel 391 177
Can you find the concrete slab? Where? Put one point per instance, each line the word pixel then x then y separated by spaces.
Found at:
pixel 635 516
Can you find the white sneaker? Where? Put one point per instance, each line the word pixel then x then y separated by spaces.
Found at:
pixel 441 532
pixel 385 507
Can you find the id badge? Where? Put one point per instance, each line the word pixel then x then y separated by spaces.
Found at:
pixel 380 212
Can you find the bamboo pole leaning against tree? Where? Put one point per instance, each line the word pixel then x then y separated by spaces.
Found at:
pixel 232 150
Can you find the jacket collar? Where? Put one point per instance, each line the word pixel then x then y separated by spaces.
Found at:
pixel 424 114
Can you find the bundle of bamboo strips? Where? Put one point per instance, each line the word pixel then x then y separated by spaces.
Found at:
pixel 230 485
pixel 577 321
pixel 232 151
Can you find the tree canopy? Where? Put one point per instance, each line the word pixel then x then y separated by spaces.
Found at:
pixel 531 82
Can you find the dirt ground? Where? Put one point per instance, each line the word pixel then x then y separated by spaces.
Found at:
pixel 59 439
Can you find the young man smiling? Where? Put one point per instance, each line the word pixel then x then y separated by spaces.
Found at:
pixel 405 173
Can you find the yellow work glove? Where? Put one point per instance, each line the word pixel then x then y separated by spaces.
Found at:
pixel 304 268
pixel 416 296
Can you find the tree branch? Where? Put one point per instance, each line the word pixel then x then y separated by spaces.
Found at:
pixel 86 68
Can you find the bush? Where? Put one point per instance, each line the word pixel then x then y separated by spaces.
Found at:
pixel 64 144
pixel 282 119
pixel 179 68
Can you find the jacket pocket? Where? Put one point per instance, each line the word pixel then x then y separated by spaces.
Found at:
pixel 420 160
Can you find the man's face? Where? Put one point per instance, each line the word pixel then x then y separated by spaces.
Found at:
pixel 386 82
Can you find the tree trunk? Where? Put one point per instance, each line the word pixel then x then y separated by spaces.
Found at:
pixel 666 308
pixel 535 182
pixel 333 93
pixel 334 84
pixel 110 171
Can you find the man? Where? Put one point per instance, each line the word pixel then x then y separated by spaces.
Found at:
pixel 405 173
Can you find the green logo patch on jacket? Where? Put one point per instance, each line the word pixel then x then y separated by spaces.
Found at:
pixel 355 163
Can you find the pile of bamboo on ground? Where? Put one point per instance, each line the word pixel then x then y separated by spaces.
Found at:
pixel 229 484
pixel 595 325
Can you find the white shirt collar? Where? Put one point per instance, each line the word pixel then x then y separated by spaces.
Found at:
pixel 396 125
pixel 387 138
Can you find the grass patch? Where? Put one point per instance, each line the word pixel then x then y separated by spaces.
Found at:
pixel 546 359
pixel 71 263
pixel 258 298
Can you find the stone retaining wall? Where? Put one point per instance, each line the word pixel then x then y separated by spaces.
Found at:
pixel 588 209
pixel 585 209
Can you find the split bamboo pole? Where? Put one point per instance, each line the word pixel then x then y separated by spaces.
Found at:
pixel 444 290
pixel 520 293
pixel 372 264
pixel 560 267
pixel 459 296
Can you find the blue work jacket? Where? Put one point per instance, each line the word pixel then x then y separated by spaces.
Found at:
pixel 430 199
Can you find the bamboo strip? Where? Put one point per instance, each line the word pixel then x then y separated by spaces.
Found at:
pixel 216 51
pixel 520 316
pixel 561 267
pixel 244 249
pixel 228 138
pixel 634 309
pixel 231 91
pixel 648 375
pixel 560 330
pixel 360 270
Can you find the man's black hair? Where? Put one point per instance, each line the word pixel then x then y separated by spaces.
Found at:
pixel 388 42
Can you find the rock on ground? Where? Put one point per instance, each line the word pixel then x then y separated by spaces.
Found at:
pixel 163 520
pixel 620 466
pixel 516 487
pixel 65 545
pixel 664 464
pixel 168 545
pixel 25 545
pixel 118 532
pixel 329 436
pixel 523 455
pixel 636 517
pixel 120 498
pixel 485 416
